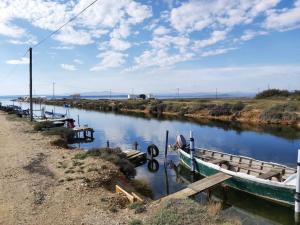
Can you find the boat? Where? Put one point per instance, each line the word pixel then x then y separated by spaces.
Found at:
pixel 271 181
pixel 53 115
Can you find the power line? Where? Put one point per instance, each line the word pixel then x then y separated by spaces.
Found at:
pixel 62 26
pixel 13 69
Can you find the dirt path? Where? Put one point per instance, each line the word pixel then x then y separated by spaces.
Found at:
pixel 31 187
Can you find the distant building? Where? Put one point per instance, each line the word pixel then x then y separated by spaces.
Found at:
pixel 75 96
pixel 150 96
pixel 132 96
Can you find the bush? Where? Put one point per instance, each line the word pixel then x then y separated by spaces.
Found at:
pixel 43 125
pixel 116 156
pixel 278 113
pixel 272 93
pixel 135 222
pixel 143 187
pixel 226 109
pixel 138 207
pixel 65 133
pixel 81 155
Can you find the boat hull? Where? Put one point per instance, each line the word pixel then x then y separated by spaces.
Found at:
pixel 279 194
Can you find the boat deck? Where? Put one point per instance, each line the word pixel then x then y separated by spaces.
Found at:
pixel 260 169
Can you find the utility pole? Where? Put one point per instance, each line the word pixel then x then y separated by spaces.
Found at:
pixel 30 83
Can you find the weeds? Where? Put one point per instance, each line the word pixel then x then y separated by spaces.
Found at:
pixel 135 222
pixel 116 156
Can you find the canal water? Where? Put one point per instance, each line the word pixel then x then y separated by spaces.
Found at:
pixel 268 143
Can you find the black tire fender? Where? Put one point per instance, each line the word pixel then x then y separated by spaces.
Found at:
pixel 153 150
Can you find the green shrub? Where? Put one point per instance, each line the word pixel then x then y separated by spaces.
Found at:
pixel 142 187
pixel 114 155
pixel 138 207
pixel 65 133
pixel 43 125
pixel 81 155
pixel 277 113
pixel 135 222
pixel 272 93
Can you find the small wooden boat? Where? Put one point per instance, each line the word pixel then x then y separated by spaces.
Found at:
pixel 268 180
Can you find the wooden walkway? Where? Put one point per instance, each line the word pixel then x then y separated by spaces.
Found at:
pixel 88 132
pixel 136 157
pixel 198 186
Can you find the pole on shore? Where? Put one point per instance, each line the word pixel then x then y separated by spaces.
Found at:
pixel 166 146
pixel 107 143
pixel 192 150
pixel 30 83
pixel 297 194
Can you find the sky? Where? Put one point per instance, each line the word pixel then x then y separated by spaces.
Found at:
pixel 150 46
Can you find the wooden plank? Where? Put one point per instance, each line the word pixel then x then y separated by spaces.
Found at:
pixel 269 174
pixel 136 155
pixel 199 186
pixel 121 190
pixel 137 197
pixel 210 181
pixel 131 153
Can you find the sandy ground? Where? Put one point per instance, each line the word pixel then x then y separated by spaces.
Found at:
pixel 34 188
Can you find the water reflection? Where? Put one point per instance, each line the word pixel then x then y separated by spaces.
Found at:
pixel 267 143
pixel 252 209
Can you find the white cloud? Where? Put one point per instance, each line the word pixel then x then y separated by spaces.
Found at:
pixel 78 61
pixel 74 37
pixel 161 30
pixel 68 67
pixel 250 34
pixel 11 30
pixel 284 19
pixel 30 40
pixel 118 44
pixel 23 60
pixel 110 59
pixel 63 47
pixel 198 15
pixel 216 52
pixel 216 36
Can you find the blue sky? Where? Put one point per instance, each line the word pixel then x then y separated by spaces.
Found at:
pixel 151 46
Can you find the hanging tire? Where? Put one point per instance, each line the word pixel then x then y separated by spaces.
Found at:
pixel 153 166
pixel 153 150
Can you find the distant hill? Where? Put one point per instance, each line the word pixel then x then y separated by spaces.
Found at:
pixel 101 93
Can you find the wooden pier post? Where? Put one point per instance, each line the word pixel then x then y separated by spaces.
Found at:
pixel 166 146
pixel 192 150
pixel 297 194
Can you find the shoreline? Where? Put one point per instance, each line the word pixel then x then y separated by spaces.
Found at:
pixel 246 111
pixel 45 184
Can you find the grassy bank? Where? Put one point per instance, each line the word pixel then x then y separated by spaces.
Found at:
pixel 258 111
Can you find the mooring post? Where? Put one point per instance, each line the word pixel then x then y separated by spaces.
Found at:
pixel 107 143
pixel 30 84
pixel 192 150
pixel 166 146
pixel 297 194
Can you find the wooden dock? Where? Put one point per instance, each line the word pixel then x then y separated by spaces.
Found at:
pixel 87 132
pixel 198 186
pixel 136 157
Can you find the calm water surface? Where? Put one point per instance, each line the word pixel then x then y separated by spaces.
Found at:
pixel 271 143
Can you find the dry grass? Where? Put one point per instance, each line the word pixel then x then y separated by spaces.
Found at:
pixel 214 208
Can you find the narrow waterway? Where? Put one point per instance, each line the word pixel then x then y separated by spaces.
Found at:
pixel 268 143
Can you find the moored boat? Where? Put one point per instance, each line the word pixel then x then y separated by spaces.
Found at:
pixel 268 180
